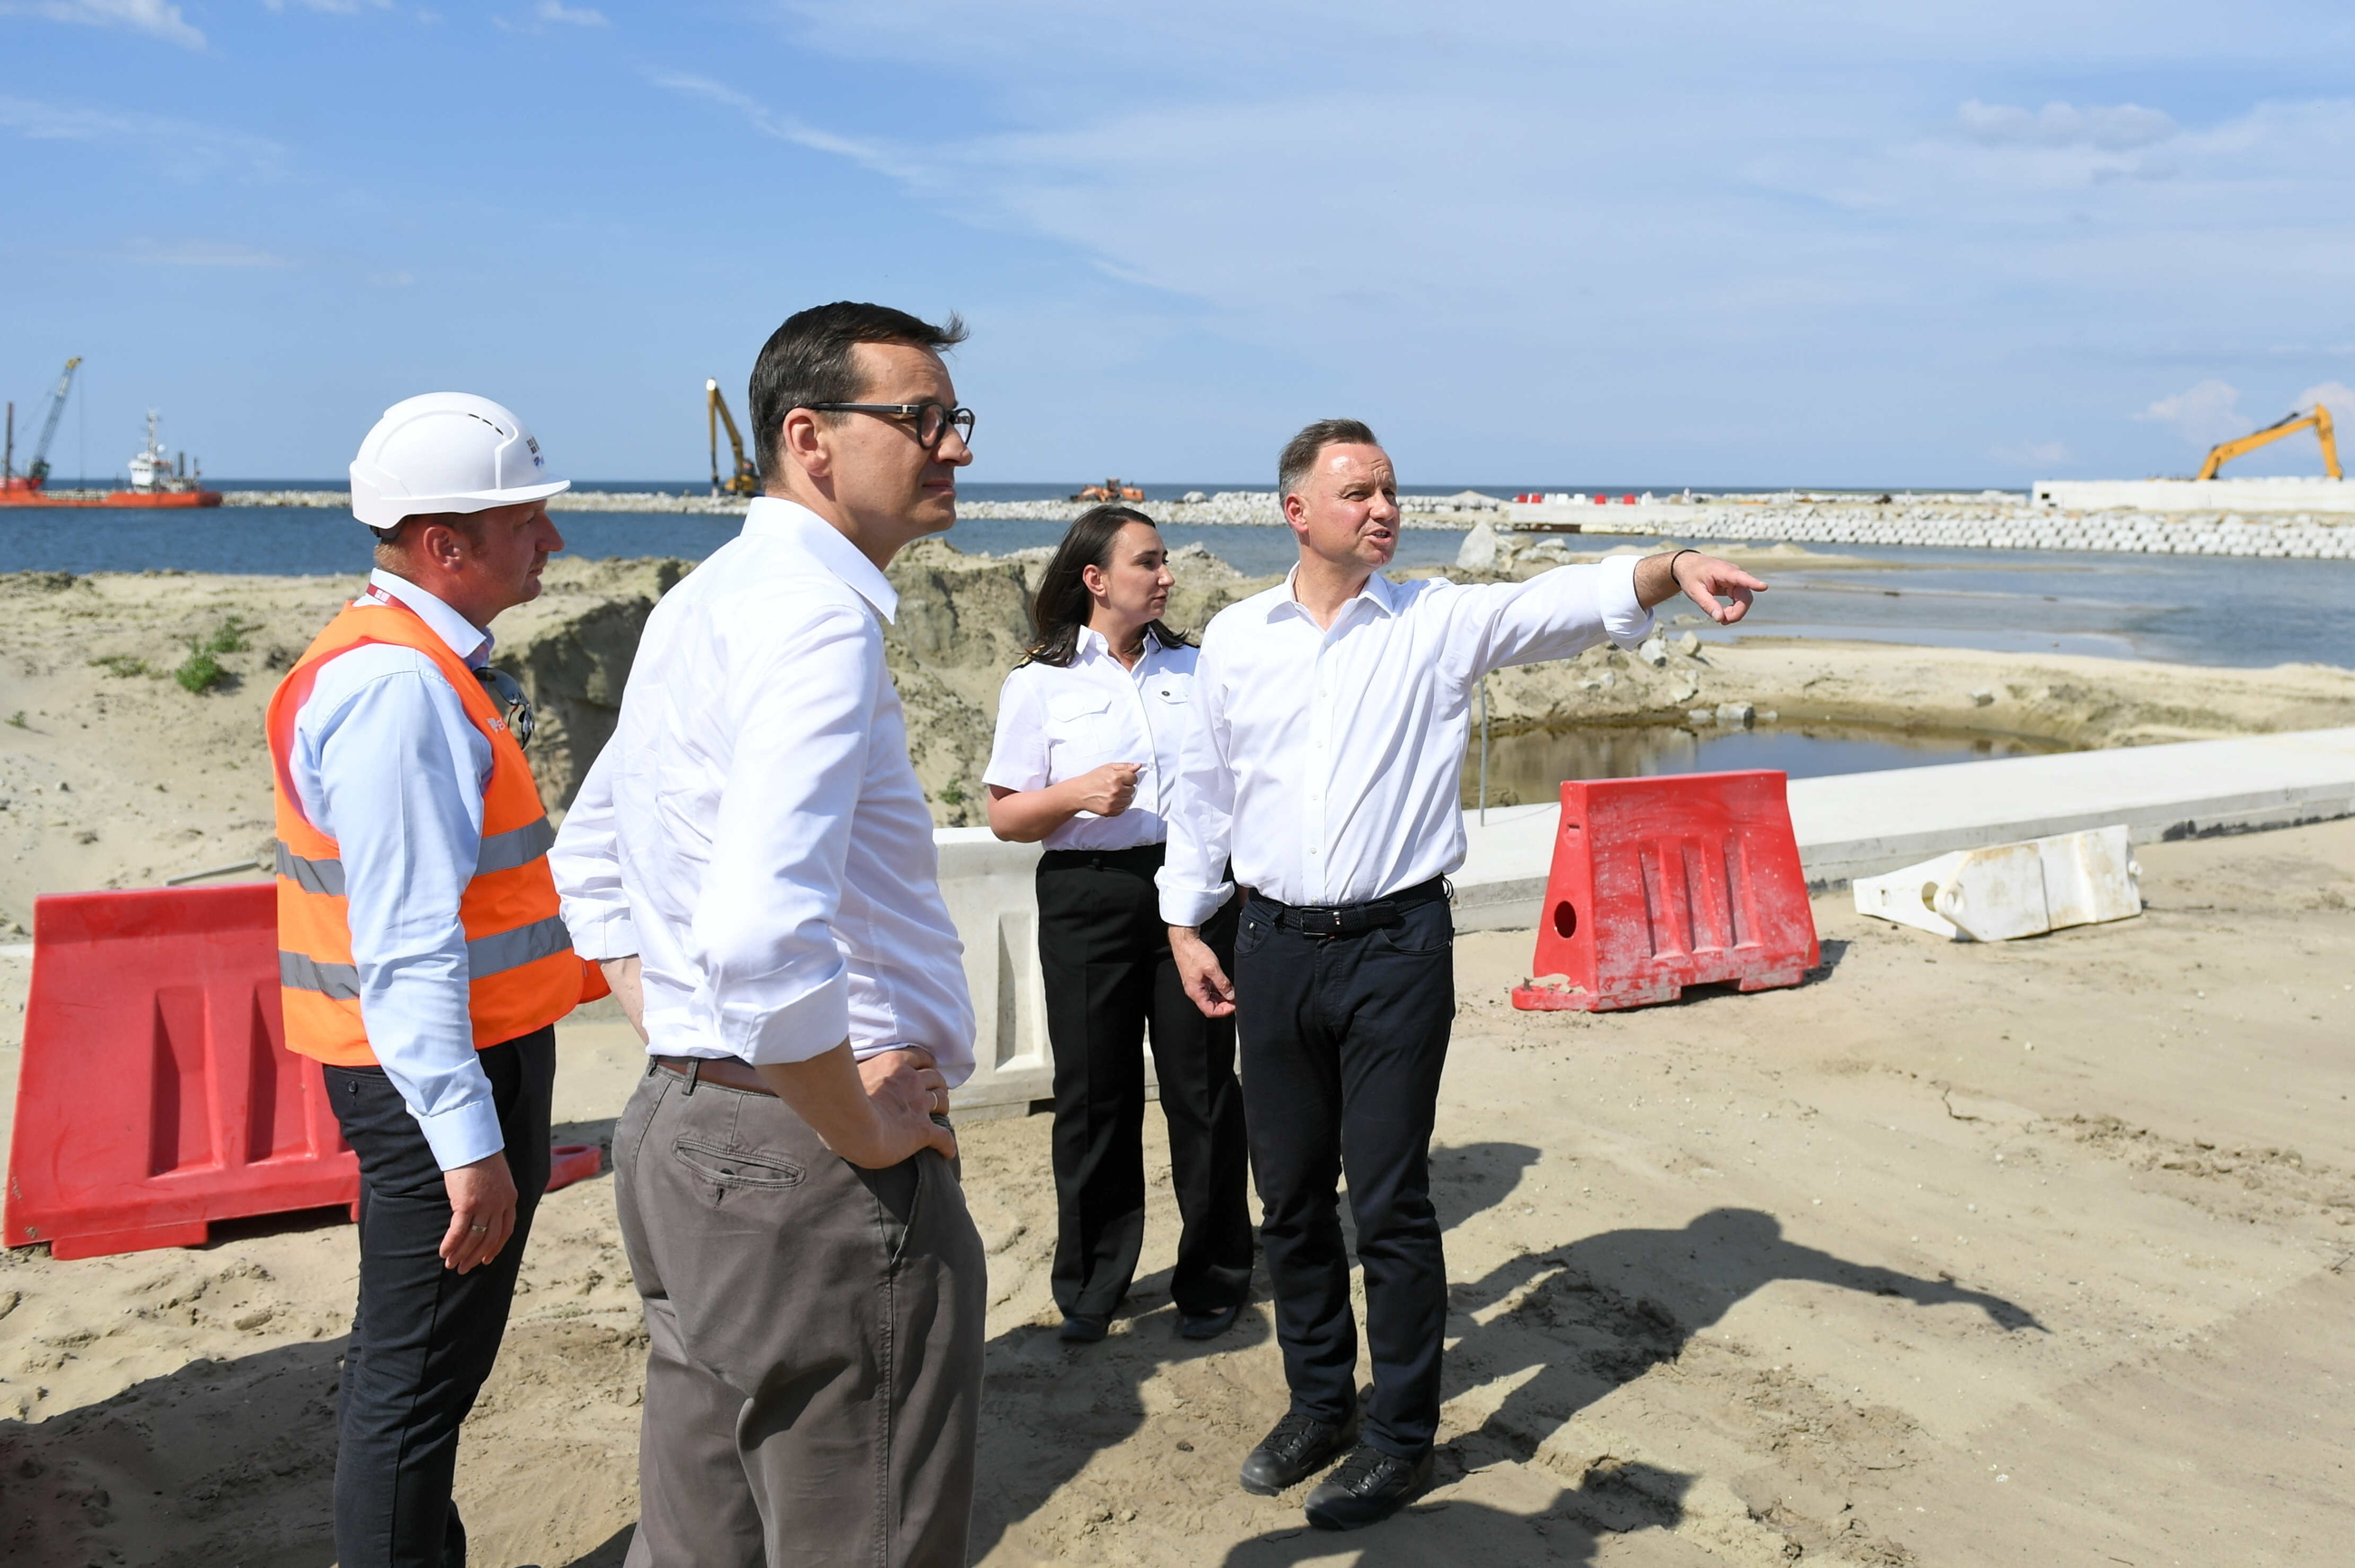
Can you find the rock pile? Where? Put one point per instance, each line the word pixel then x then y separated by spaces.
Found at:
pixel 1257 508
pixel 2300 536
pixel 569 501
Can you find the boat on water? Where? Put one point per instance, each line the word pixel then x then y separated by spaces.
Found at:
pixel 157 479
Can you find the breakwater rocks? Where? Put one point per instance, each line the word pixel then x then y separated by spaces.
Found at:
pixel 1981 525
pixel 1249 508
pixel 683 502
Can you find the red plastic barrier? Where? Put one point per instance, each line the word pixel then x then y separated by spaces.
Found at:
pixel 156 1093
pixel 1661 883
pixel 568 1163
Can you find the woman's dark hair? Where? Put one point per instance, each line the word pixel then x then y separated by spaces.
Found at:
pixel 1063 603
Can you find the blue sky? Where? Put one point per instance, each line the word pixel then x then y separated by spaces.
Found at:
pixel 1663 243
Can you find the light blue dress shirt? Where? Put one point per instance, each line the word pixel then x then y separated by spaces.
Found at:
pixel 388 764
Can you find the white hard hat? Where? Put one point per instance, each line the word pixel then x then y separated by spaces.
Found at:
pixel 447 451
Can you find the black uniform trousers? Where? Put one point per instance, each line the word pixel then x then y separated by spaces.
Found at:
pixel 1343 1039
pixel 1106 952
pixel 425 1336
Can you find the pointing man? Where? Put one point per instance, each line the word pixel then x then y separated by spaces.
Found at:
pixel 422 956
pixel 754 853
pixel 1330 723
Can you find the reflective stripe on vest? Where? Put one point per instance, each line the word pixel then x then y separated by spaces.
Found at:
pixel 311 876
pixel 485 957
pixel 500 852
pixel 299 972
pixel 522 973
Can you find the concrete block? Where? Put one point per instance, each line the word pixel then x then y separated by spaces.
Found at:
pixel 2226 494
pixel 1861 825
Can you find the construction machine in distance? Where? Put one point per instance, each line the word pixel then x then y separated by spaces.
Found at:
pixel 2289 424
pixel 1111 490
pixel 742 479
pixel 26 486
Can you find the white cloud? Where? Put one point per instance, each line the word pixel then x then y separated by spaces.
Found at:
pixel 2202 415
pixel 332 8
pixel 186 150
pixel 2336 396
pixel 574 17
pixel 2116 129
pixel 157 18
pixel 2035 455
pixel 785 128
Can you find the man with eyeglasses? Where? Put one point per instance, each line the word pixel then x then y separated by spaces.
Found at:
pixel 422 957
pixel 752 857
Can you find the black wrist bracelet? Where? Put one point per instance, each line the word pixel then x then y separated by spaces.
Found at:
pixel 1676 557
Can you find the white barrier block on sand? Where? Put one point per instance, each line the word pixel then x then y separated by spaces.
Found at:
pixel 2011 890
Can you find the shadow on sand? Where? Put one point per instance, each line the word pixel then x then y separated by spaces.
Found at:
pixel 1590 1315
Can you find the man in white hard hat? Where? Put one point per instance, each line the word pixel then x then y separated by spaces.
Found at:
pixel 422 959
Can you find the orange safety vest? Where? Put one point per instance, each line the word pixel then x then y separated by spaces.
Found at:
pixel 524 973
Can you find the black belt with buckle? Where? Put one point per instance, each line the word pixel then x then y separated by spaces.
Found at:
pixel 1347 920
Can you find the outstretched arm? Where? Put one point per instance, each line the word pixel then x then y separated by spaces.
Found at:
pixel 1701 578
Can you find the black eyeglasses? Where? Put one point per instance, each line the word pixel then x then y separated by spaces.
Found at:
pixel 933 419
pixel 507 692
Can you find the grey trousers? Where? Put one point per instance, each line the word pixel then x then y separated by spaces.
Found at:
pixel 814 1365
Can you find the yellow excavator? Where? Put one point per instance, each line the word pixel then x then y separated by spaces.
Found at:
pixel 743 479
pixel 2289 424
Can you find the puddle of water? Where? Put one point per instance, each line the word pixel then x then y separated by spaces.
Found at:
pixel 1532 764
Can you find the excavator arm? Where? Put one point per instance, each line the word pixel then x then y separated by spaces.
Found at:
pixel 742 479
pixel 2289 425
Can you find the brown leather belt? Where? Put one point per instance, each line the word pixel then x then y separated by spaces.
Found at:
pixel 728 1072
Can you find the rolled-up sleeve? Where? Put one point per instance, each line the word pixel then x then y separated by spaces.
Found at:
pixel 1555 615
pixel 587 865
pixel 1193 876
pixel 399 771
pixel 763 936
pixel 1017 759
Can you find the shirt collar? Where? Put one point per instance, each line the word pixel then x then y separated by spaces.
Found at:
pixel 770 517
pixel 1092 643
pixel 1379 591
pixel 467 640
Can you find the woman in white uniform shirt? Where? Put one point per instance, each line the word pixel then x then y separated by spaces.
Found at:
pixel 1088 732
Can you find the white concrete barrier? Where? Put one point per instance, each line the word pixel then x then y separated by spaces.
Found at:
pixel 991 896
pixel 2332 497
pixel 1858 825
pixel 1850 826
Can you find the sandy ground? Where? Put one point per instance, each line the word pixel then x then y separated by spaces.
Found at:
pixel 2034 1254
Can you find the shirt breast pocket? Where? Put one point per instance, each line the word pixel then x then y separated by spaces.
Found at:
pixel 1081 733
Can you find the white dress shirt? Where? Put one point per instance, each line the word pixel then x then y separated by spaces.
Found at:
pixel 1056 722
pixel 386 764
pixel 1326 764
pixel 755 831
